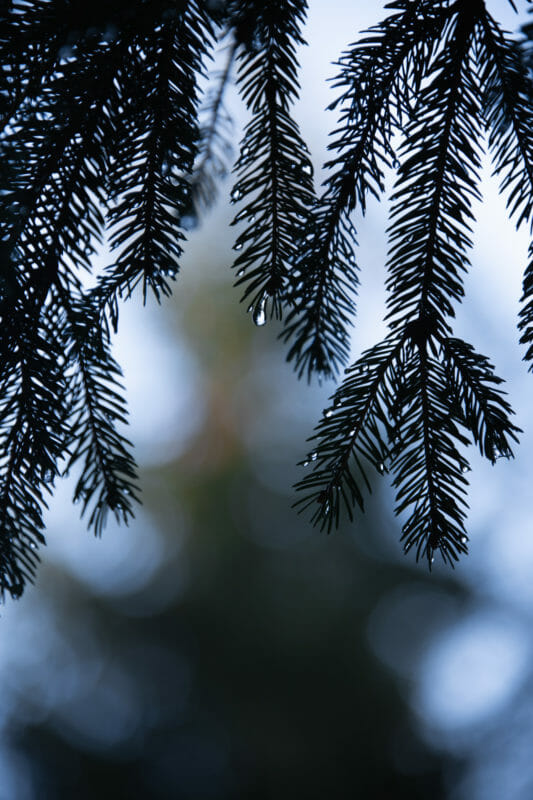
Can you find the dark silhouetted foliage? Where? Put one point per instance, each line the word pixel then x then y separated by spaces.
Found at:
pixel 104 132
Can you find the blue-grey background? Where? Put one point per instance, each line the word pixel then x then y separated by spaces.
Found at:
pixel 219 647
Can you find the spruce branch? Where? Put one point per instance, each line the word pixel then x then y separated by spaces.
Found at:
pixel 73 112
pixel 380 76
pixel 96 408
pixel 274 167
pixel 413 414
pixel 509 116
pixel 150 168
pixel 429 473
pixel 352 435
pixel 32 440
pixel 215 140
pixel 431 213
pixel 481 409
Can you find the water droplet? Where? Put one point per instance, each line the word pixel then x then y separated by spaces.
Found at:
pixel 48 475
pixel 497 453
pixel 259 315
pixel 33 546
pixel 245 150
pixel 305 463
pixel 396 164
pixel 328 413
pixel 432 559
pixel 241 272
pixel 237 246
pixel 307 168
pixel 235 195
pixel 465 468
pixel 352 432
pixel 313 456
pixel 464 539
pixel 381 467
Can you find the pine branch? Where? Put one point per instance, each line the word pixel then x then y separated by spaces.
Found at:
pixel 430 471
pixel 353 433
pixel 430 226
pixel 412 402
pixel 33 389
pixel 481 410
pixel 214 146
pixel 431 212
pixel 32 440
pixel 401 409
pixel 380 76
pixel 58 152
pixel 108 474
pixel 275 172
pixel 151 167
pixel 509 115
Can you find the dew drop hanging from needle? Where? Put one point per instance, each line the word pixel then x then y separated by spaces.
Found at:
pixel 259 314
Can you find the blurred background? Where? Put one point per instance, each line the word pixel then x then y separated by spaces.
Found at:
pixel 221 648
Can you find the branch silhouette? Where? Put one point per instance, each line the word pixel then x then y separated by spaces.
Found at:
pixel 104 131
